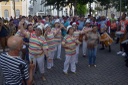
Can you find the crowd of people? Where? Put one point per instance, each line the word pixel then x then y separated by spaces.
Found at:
pixel 32 39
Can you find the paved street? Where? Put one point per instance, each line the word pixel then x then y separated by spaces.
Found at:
pixel 110 70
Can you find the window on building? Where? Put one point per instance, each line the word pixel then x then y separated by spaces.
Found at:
pixel 16 0
pixel 17 13
pixel 6 13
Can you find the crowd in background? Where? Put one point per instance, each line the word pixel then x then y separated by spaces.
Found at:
pixel 44 36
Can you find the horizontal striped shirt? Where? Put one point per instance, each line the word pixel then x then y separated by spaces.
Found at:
pixel 50 41
pixel 13 69
pixel 58 36
pixel 71 42
pixel 77 33
pixel 37 45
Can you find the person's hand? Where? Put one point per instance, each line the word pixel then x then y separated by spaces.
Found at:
pixel 31 65
pixel 21 23
pixel 61 26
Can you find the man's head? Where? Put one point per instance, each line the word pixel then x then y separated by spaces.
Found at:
pixel 112 15
pixel 39 19
pixel 11 21
pixel 123 16
pixel 15 43
pixel 47 18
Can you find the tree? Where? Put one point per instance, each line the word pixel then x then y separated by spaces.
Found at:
pixel 106 4
pixel 123 4
pixel 114 3
pixel 4 0
pixel 81 9
pixel 57 4
pixel 75 3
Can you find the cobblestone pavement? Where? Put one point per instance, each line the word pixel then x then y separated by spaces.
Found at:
pixel 110 70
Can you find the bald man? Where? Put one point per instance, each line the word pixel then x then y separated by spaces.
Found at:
pixel 15 70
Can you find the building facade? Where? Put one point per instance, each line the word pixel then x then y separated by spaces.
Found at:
pixel 36 8
pixel 7 8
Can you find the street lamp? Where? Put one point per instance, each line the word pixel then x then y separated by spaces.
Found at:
pixel 126 8
pixel 90 9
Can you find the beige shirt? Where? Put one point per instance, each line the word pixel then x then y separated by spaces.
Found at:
pixel 93 38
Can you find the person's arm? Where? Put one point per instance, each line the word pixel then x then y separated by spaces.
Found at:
pixel 45 47
pixel 14 30
pixel 57 31
pixel 64 43
pixel 31 68
pixel 22 30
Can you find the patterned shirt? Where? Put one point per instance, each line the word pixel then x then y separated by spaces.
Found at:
pixel 50 41
pixel 37 45
pixel 123 25
pixel 86 29
pixel 93 38
pixel 71 42
pixel 58 36
pixel 77 33
pixel 13 69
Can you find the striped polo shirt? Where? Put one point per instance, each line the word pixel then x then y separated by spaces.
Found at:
pixel 50 41
pixel 70 41
pixel 77 33
pixel 37 45
pixel 13 69
pixel 58 37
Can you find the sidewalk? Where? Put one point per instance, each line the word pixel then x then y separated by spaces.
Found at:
pixel 110 70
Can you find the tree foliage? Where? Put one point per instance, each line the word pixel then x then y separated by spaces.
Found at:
pixel 114 3
pixel 81 9
pixel 59 4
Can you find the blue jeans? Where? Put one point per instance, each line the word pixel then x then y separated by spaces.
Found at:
pixel 92 55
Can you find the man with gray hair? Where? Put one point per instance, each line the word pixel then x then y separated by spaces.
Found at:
pixel 15 70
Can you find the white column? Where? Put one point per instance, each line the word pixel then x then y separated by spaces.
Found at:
pixel 12 10
pixel 24 7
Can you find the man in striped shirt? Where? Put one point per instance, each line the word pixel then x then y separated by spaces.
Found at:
pixel 15 70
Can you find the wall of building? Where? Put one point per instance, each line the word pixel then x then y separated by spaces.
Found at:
pixel 22 6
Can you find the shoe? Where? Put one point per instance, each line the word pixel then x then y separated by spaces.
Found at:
pixel 59 58
pixel 65 73
pixel 89 66
pixel 120 52
pixel 74 72
pixel 101 48
pixel 43 78
pixel 84 55
pixel 124 54
pixel 48 68
pixel 94 65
